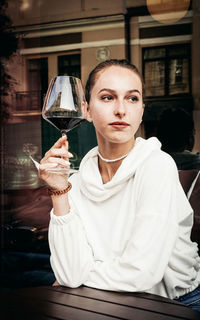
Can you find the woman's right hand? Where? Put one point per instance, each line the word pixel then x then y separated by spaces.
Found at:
pixel 56 156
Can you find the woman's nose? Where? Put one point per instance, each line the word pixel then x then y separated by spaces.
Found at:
pixel 120 109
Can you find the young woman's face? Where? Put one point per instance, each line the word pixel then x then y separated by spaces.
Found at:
pixel 116 104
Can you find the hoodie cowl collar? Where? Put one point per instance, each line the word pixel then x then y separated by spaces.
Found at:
pixel 90 178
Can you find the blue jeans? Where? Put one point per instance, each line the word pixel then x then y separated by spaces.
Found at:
pixel 191 299
pixel 25 269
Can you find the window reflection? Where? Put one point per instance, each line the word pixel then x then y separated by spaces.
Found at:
pixel 166 70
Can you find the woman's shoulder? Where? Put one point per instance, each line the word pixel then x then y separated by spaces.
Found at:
pixel 150 150
pixel 162 156
pixel 158 168
pixel 160 161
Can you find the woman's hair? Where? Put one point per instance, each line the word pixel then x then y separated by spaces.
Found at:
pixel 106 64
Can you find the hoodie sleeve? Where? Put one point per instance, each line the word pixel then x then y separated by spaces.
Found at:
pixel 71 256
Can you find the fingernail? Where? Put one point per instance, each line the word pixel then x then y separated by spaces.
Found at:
pixel 70 155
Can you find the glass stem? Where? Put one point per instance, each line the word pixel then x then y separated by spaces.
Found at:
pixel 63 132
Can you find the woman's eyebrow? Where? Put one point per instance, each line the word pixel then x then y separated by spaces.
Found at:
pixel 113 91
pixel 107 89
pixel 133 91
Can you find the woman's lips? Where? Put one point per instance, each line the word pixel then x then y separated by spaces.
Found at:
pixel 119 124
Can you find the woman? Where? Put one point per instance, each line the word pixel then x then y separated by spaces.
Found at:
pixel 125 224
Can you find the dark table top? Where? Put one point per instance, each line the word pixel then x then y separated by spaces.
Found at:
pixel 85 303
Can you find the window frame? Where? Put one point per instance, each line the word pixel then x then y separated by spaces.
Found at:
pixel 60 68
pixel 167 60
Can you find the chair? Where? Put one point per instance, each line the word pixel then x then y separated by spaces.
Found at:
pixel 190 180
pixel 25 254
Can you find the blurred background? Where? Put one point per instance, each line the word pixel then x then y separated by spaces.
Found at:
pixel 45 38
pixel 161 37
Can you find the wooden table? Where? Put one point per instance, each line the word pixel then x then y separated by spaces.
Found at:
pixel 89 304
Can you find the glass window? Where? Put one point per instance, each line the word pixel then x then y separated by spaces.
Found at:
pixel 154 53
pixel 166 70
pixel 178 76
pixel 37 81
pixel 178 51
pixel 154 78
pixel 69 65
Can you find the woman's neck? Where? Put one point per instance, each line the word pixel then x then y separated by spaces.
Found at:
pixel 113 151
pixel 110 158
pixel 108 170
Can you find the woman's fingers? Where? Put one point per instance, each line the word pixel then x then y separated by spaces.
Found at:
pixel 57 156
pixel 59 161
pixel 59 149
pixel 60 142
pixel 61 152
pixel 53 164
pixel 47 165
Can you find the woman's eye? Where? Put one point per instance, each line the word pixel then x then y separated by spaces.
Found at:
pixel 133 99
pixel 106 98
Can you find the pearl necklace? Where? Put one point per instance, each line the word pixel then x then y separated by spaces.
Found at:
pixel 111 160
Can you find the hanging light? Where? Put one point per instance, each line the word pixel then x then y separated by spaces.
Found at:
pixel 168 11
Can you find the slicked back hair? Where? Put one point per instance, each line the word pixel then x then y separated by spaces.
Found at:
pixel 106 64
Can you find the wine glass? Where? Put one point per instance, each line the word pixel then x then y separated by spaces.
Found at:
pixel 64 105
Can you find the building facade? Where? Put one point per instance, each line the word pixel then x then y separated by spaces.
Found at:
pixel 71 37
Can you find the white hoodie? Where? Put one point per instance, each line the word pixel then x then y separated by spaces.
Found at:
pixel 130 234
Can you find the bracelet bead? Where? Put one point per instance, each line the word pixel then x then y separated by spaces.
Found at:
pixel 54 192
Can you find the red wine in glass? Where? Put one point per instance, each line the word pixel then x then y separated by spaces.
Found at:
pixel 64 104
pixel 64 123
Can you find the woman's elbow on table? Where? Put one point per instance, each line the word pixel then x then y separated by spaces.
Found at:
pixel 66 282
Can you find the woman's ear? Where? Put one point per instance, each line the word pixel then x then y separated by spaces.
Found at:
pixel 87 113
pixel 143 106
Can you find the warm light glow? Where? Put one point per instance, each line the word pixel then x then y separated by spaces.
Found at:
pixel 24 5
pixel 168 11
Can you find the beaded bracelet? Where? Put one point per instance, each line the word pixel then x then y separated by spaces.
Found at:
pixel 54 192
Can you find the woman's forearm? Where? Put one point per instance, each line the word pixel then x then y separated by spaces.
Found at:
pixel 60 204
